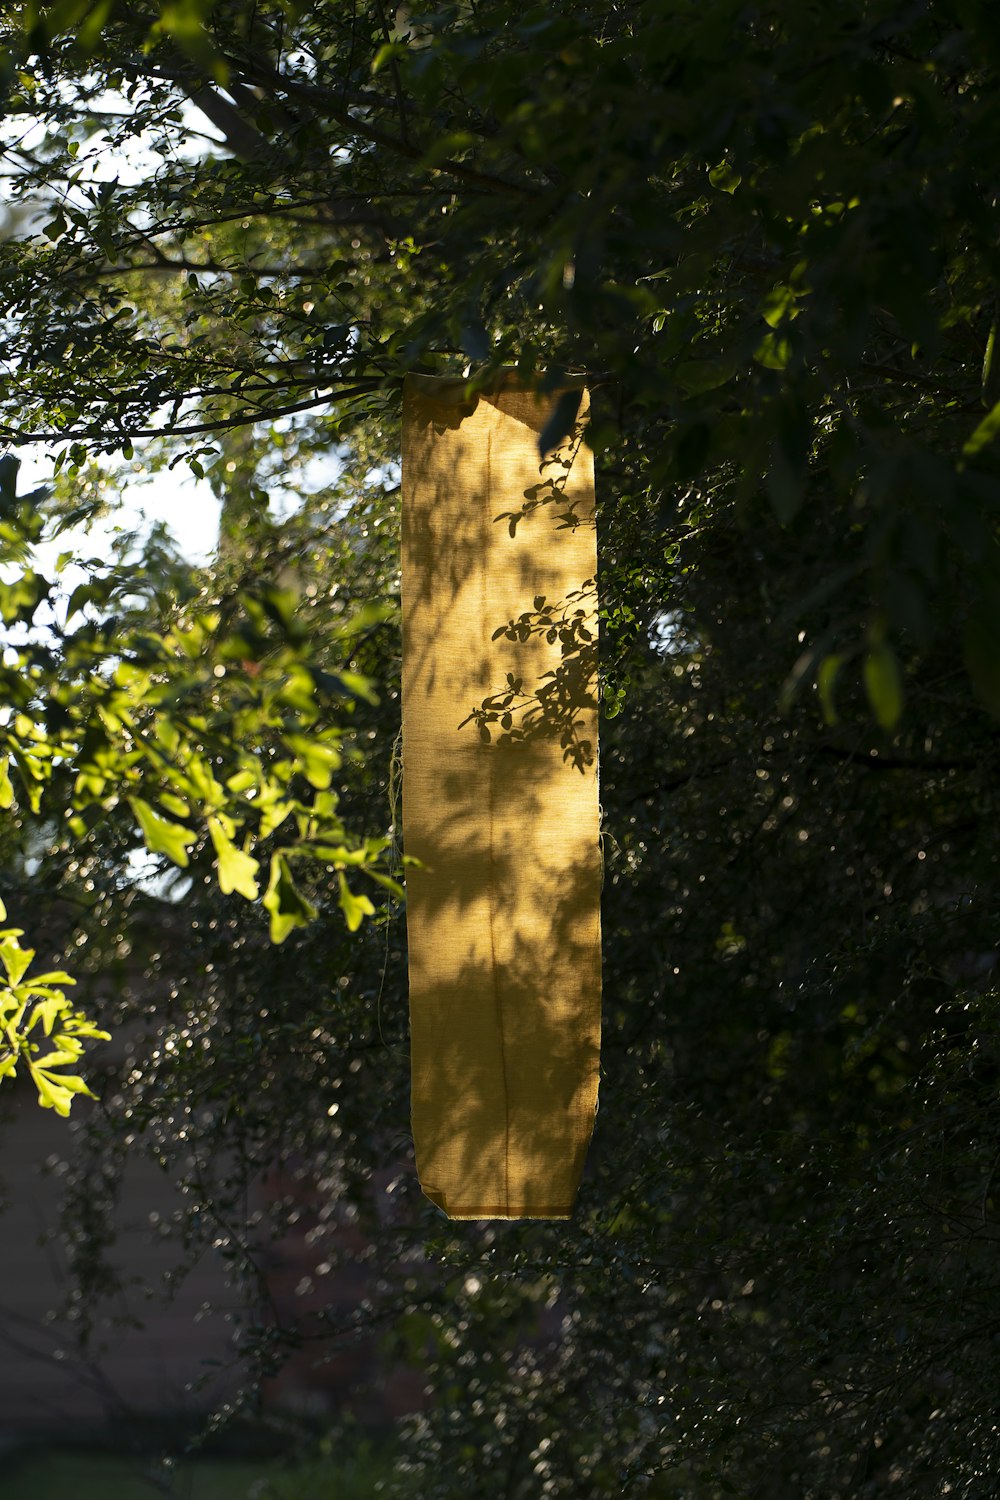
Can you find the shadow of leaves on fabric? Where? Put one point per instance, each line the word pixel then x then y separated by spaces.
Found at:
pixel 509 930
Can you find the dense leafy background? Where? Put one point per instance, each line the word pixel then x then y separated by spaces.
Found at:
pixel 768 235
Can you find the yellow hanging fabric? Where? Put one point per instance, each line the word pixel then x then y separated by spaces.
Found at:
pixel 500 799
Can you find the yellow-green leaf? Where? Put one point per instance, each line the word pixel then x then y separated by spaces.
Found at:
pixel 176 805
pixel 984 434
pixel 274 813
pixel 779 304
pixel 337 854
pixel 724 177
pixel 774 351
pixel 285 902
pixel 826 676
pixel 884 684
pixel 237 870
pixel 57 1092
pixel 15 959
pixel 48 1011
pixel 317 760
pixel 162 836
pixel 387 53
pixel 6 790
pixel 355 908
pixel 65 1050
pixel 241 781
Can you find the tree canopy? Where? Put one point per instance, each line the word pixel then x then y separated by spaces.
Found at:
pixel 767 236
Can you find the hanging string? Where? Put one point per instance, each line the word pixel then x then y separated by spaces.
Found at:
pixel 606 834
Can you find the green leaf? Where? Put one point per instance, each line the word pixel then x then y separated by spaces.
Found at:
pixel 20 599
pixel 695 376
pixel 161 835
pixel 285 902
pixel 337 854
pixel 89 33
pixel 241 781
pixel 83 1027
pixel 31 777
pixel 774 351
pixel 56 1091
pixel 176 805
pixel 447 147
pixel 778 305
pixel 280 606
pixel 317 760
pixel 237 870
pixel 724 177
pixel 387 53
pixel 16 960
pixel 826 677
pixel 6 790
pixel 884 684
pixel 988 380
pixel 273 815
pixel 369 615
pixel 984 434
pixel 355 908
pixel 184 22
pixel 360 686
pixel 48 1012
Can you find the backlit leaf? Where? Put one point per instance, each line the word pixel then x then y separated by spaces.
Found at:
pixel 355 908
pixel 285 902
pixel 161 835
pixel 884 684
pixel 237 870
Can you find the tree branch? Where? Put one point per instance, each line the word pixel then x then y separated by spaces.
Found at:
pixel 15 436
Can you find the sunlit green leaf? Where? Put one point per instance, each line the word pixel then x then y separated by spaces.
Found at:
pixel 285 902
pixel 354 907
pixel 237 869
pixel 984 434
pixel 16 960
pixel 318 758
pixel 6 790
pixel 161 835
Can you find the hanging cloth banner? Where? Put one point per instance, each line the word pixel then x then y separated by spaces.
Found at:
pixel 500 798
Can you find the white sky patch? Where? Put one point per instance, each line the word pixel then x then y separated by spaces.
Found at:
pixel 185 504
